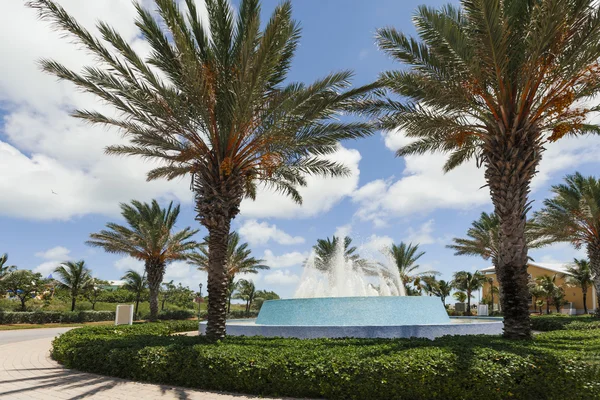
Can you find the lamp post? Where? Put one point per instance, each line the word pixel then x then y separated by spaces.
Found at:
pixel 199 300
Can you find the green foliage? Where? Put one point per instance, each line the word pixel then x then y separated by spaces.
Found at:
pixel 120 295
pixel 263 295
pixel 23 284
pixel 547 323
pixel 467 367
pixel 173 314
pixel 48 317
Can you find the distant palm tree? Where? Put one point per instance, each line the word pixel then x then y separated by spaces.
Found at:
pixel 213 101
pixel 461 297
pixel 5 269
pixel 239 261
pixel 149 237
pixel 573 216
pixel 548 284
pixel 493 290
pixel 468 282
pixel 325 250
pixel 484 238
pixel 495 82
pixel 135 283
pixel 580 275
pixel 245 291
pixel 405 258
pixel 437 288
pixel 74 277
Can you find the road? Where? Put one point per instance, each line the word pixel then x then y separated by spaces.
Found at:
pixel 22 335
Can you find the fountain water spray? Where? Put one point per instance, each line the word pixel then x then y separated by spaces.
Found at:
pixel 345 279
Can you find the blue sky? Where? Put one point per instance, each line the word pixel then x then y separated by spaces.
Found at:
pixel 386 199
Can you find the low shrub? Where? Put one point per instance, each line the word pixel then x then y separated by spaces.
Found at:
pixel 546 323
pixel 47 317
pixel 467 367
pixel 173 315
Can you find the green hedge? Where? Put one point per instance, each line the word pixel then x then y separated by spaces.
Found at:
pixel 546 323
pixel 173 315
pixel 47 317
pixel 556 365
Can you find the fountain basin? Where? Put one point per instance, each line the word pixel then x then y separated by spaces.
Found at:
pixel 359 317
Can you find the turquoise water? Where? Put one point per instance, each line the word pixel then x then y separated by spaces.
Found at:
pixel 354 311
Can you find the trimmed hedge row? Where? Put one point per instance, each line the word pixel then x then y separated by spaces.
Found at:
pixel 556 365
pixel 47 317
pixel 173 315
pixel 546 323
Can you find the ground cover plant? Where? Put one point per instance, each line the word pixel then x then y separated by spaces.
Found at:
pixel 555 365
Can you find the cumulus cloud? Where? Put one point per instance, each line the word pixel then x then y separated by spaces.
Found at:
pixel 284 260
pixel 178 272
pixel 54 257
pixel 281 278
pixel 374 245
pixel 260 233
pixel 422 235
pixel 319 196
pixel 127 263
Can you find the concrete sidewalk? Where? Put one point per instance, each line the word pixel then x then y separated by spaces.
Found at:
pixel 28 372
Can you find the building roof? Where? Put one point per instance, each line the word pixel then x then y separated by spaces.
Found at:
pixel 554 267
pixel 117 283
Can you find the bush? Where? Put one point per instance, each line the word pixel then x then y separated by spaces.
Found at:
pixel 472 367
pixel 173 315
pixel 546 323
pixel 47 317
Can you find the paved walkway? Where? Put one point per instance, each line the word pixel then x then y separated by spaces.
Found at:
pixel 28 372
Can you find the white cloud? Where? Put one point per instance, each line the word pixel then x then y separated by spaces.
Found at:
pixel 178 271
pixel 43 149
pixel 55 253
pixel 343 231
pixel 372 248
pixel 422 235
pixel 55 256
pixel 281 278
pixel 260 233
pixel 319 196
pixel 284 260
pixel 127 263
pixel 424 187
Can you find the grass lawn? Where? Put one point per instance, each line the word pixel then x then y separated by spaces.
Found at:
pixel 14 327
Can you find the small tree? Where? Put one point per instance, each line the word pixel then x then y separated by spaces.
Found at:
pixel 437 288
pixel 461 297
pixel 135 283
pixel 23 284
pixel 261 296
pixel 468 282
pixel 94 291
pixel 580 275
pixel 74 277
pixel 548 285
pixel 245 291
pixel 558 298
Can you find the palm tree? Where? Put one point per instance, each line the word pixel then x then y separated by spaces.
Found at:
pixel 239 261
pixel 468 282
pixel 75 277
pixel 580 275
pixel 484 237
pixel 495 81
pixel 245 291
pixel 5 269
pixel 149 237
pixel 221 110
pixel 437 288
pixel 136 283
pixel 573 216
pixel 404 258
pixel 493 290
pixel 461 297
pixel 325 250
pixel 548 284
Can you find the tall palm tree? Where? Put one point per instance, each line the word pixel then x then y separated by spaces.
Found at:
pixel 405 257
pixel 239 261
pixel 136 283
pixel 548 284
pixel 439 288
pixel 5 269
pixel 483 238
pixel 221 110
pixel 149 237
pixel 325 250
pixel 468 282
pixel 75 277
pixel 495 81
pixel 246 291
pixel 580 275
pixel 573 216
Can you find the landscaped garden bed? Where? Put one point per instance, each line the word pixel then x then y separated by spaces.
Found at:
pixel 555 365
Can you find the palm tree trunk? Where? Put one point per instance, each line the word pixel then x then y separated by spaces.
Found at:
pixel 155 270
pixel 468 303
pixel 137 303
pixel 511 159
pixel 584 291
pixel 229 303
pixel 547 305
pixel 217 282
pixel 73 300
pixel 593 250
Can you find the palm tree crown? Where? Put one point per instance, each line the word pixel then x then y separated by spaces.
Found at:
pixel 325 250
pixel 149 237
pixel 75 277
pixel 219 108
pixel 468 282
pixel 495 81
pixel 5 269
pixel 573 215
pixel 136 283
pixel 405 257
pixel 580 275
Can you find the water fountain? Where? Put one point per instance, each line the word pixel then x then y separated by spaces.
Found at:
pixel 350 299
